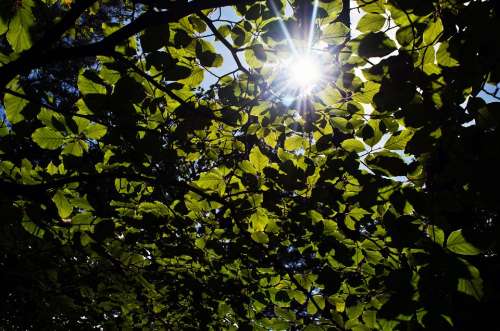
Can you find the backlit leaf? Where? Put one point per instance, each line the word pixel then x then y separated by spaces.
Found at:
pixel 371 22
pixel 48 138
pixel 95 131
pixel 18 33
pixel 457 244
pixel 74 148
pixel 258 160
pixel 14 107
pixel 64 208
pixel 353 145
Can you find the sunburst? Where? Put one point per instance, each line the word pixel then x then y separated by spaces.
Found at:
pixel 300 72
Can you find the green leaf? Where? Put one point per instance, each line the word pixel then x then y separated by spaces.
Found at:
pixel 64 208
pixel 371 22
pixel 81 123
pixel 14 107
pixel 89 86
pixel 311 308
pixel 258 160
pixel 181 38
pixel 213 180
pixel 330 228
pixel 355 311
pixel 436 234
pixel 433 31
pixel 239 36
pixel 371 133
pixel 335 33
pixel 399 140
pixel 127 89
pixel 206 54
pixel 312 327
pixel 224 30
pixel 82 219
pixel 48 138
pixel 260 237
pixel 376 44
pixel 184 75
pixel 123 186
pixel 294 142
pixel 320 301
pixel 298 295
pixel 200 243
pixel 390 165
pixel 353 145
pixel 18 34
pixel 472 287
pixel 32 228
pixel 75 148
pixel 95 131
pixel 370 318
pixel 247 166
pixel 457 244
pixel 156 208
pixel 3 26
pixel 372 6
pixel 332 7
pixel 52 169
pixel 197 24
pixel 254 55
pixel 259 51
pixel 443 56
pixel 405 35
pixel 259 220
pixel 155 37
pixel 370 88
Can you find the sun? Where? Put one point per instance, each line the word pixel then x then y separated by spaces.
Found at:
pixel 300 74
pixel 302 67
pixel 304 72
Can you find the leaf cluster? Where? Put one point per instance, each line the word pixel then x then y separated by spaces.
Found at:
pixel 134 195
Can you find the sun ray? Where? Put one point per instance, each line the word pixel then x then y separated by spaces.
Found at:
pixel 311 25
pixel 284 28
pixel 305 69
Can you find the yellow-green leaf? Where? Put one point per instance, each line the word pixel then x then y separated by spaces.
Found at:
pixel 75 148
pixel 294 143
pixel 14 107
pixel 18 34
pixel 260 237
pixel 399 140
pixel 433 31
pixel 353 145
pixel 371 22
pixel 95 131
pixel 212 180
pixel 64 208
pixel 258 160
pixel 48 138
pixel 88 86
pixel 457 244
pixel 259 220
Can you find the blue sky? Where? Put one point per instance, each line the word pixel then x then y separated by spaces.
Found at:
pixel 229 63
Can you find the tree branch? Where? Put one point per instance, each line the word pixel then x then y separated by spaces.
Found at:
pixel 234 51
pixel 35 189
pixel 150 79
pixel 12 69
pixel 37 56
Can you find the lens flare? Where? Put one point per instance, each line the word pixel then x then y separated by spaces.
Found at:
pixel 304 73
pixel 304 67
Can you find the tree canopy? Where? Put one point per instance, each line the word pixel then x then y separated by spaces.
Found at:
pixel 141 188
